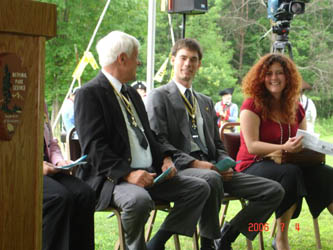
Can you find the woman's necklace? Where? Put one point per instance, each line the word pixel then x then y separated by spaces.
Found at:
pixel 281 131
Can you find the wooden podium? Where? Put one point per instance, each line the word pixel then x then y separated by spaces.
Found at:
pixel 24 27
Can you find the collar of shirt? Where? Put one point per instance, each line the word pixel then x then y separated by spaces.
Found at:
pixel 181 88
pixel 114 81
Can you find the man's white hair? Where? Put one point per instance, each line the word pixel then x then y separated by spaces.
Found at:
pixel 113 44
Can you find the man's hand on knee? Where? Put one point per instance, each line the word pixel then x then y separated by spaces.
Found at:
pixel 141 178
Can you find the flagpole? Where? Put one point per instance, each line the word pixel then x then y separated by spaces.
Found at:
pixel 151 45
pixel 87 50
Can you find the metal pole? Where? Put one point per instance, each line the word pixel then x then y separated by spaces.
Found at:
pixel 171 30
pixel 184 25
pixel 88 48
pixel 151 45
pixel 98 24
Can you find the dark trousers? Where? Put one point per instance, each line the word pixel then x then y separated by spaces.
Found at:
pixel 189 195
pixel 68 214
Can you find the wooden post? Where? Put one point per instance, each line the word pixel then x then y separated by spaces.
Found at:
pixel 24 27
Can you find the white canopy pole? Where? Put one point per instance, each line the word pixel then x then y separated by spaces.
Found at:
pixel 88 48
pixel 151 45
pixel 98 24
pixel 171 30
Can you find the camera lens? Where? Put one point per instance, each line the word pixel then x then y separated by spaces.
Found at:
pixel 297 8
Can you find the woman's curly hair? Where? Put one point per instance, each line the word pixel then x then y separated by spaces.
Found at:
pixel 253 86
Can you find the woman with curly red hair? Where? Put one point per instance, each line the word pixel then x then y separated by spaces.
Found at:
pixel 269 119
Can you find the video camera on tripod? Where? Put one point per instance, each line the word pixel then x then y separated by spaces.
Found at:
pixel 281 12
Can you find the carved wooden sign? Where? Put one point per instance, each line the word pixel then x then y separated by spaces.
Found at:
pixel 13 89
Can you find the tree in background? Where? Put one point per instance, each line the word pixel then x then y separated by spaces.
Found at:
pixel 216 70
pixel 76 22
pixel 229 34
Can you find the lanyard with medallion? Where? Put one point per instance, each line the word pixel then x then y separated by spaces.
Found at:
pixel 123 95
pixel 193 122
pixel 190 109
pixel 127 105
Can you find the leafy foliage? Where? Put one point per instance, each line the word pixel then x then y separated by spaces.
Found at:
pixel 229 33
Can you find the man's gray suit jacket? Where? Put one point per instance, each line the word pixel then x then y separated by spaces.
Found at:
pixel 168 118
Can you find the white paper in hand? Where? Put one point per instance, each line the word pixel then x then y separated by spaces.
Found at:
pixel 75 163
pixel 311 141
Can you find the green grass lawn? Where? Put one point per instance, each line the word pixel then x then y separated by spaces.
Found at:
pixel 303 239
pixel 106 230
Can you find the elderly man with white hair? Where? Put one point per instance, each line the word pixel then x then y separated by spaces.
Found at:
pixel 123 154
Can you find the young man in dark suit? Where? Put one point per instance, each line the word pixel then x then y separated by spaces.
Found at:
pixel 185 121
pixel 123 155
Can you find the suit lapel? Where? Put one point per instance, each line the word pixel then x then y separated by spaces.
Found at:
pixel 204 108
pixel 205 113
pixel 114 109
pixel 179 108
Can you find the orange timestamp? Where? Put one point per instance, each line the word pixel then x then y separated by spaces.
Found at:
pixel 264 227
pixel 258 227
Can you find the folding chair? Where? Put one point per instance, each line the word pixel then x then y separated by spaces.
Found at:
pixel 73 151
pixel 315 228
pixel 231 141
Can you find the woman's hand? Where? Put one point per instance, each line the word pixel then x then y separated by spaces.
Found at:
pixel 63 163
pixel 293 145
pixel 49 168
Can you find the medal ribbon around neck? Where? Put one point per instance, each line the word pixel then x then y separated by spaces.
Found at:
pixel 126 103
pixel 190 109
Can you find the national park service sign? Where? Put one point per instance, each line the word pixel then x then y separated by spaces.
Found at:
pixel 13 89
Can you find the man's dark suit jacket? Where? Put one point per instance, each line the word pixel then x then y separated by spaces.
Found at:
pixel 103 137
pixel 169 120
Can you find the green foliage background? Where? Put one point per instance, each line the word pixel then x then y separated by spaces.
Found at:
pixel 229 33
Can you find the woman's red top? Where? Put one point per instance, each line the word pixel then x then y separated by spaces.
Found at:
pixel 269 131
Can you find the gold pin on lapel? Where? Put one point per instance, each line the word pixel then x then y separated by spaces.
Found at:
pixel 207 109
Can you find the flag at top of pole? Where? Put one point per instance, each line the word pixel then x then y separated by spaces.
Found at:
pixel 87 58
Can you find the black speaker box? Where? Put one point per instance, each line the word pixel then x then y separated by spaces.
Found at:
pixel 187 6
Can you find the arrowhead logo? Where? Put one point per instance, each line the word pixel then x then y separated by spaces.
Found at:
pixel 13 89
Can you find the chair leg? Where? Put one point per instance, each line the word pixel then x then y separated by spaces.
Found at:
pixel 150 224
pixel 248 242
pixel 223 213
pixel 261 241
pixel 273 231
pixel 121 237
pixel 195 240
pixel 176 241
pixel 117 245
pixel 317 233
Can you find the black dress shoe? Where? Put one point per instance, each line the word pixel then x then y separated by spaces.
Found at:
pixel 208 248
pixel 206 244
pixel 152 247
pixel 224 243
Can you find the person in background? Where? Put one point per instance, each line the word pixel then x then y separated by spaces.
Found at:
pixel 123 154
pixel 141 88
pixel 309 107
pixel 226 111
pixel 68 203
pixel 269 118
pixel 185 121
pixel 67 112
